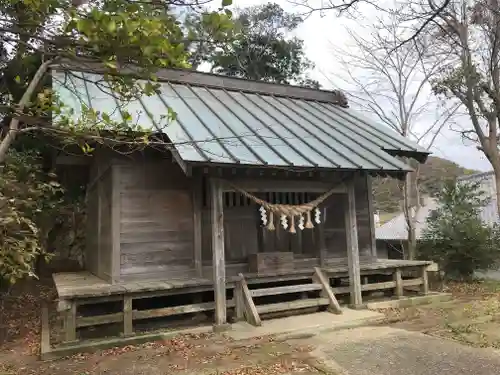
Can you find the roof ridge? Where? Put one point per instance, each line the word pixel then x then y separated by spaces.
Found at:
pixel 210 80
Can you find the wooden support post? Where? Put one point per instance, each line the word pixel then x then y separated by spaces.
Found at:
pixel 115 224
pixel 371 213
pixel 320 241
pixel 45 332
pixel 398 291
pixel 197 208
pixel 127 316
pixel 218 259
pixel 70 323
pixel 250 309
pixel 425 281
pixel 327 291
pixel 239 302
pixel 352 247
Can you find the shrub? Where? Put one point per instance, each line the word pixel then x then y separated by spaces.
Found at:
pixel 29 200
pixel 455 237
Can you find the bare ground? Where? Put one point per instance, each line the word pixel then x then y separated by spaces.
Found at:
pixel 186 355
pixel 472 317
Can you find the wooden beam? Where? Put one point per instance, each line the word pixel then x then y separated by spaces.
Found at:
pixel 44 332
pixel 73 160
pixel 352 246
pixel 70 323
pixel 186 168
pixel 115 224
pixel 177 310
pixel 398 279
pixel 413 282
pixel 292 305
pixel 287 186
pixel 425 281
pixel 218 257
pixel 250 309
pixel 197 225
pixel 195 78
pixel 327 290
pixel 127 316
pixel 239 302
pixel 319 232
pixel 371 213
pixel 285 290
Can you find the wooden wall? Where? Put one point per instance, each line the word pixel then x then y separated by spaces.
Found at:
pixel 335 236
pixel 141 223
pixel 156 220
pixel 98 252
pixel 244 235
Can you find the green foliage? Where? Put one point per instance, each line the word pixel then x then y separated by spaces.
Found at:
pixel 144 36
pixel 260 48
pixel 455 237
pixel 111 34
pixel 29 201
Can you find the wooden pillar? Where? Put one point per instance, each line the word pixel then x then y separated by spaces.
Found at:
pixel 115 224
pixel 319 231
pixel 218 259
pixel 70 323
pixel 127 316
pixel 352 247
pixel 398 279
pixel 371 212
pixel 197 208
pixel 425 281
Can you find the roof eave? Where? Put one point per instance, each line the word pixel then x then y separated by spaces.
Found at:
pixel 420 156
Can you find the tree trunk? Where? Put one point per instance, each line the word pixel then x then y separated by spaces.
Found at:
pixel 14 123
pixel 410 209
pixel 496 171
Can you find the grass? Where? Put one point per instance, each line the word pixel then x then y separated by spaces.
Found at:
pixel 472 317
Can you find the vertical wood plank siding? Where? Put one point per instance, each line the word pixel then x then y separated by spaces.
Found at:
pixel 244 234
pixel 105 230
pixel 156 221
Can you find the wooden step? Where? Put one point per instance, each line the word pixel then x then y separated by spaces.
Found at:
pixel 284 290
pixel 293 305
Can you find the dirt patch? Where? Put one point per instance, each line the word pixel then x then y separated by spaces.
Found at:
pixel 200 354
pixel 20 309
pixel 472 317
pixel 187 355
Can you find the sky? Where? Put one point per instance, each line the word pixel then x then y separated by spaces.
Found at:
pixel 323 33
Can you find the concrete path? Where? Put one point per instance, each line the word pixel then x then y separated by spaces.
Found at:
pixel 390 351
pixel 304 324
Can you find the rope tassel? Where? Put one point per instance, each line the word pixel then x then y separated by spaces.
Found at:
pixel 292 224
pixel 309 223
pixel 270 224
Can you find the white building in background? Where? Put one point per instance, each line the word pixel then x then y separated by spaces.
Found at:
pixel 392 234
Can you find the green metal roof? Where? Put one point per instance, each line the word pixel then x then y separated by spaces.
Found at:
pixel 233 121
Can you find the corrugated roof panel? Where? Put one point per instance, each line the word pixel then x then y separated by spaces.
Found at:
pixel 312 132
pixel 217 124
pixel 389 137
pixel 318 151
pixel 210 148
pixel 71 91
pixel 231 133
pixel 99 94
pixel 272 148
pixel 158 111
pixel 370 156
pixel 296 153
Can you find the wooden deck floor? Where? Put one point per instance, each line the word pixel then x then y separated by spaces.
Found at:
pixel 85 285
